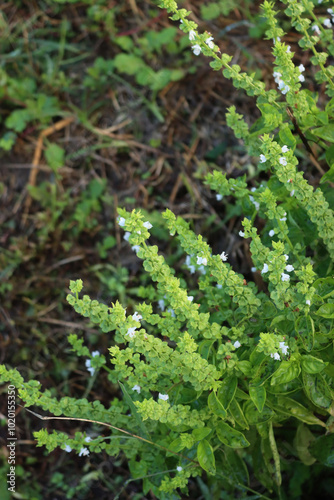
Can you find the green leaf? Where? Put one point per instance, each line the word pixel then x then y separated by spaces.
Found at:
pixel 206 457
pixel 316 389
pixel 238 414
pixel 323 450
pixel 55 156
pixel 276 457
pixel 230 436
pixel 326 132
pixel 295 409
pixel 303 439
pixel 305 328
pixel 288 370
pixel 236 467
pixel 323 286
pixel 258 396
pixel 215 406
pixel 134 412
pixel 287 136
pixel 201 433
pixel 312 365
pixel 226 391
pixel 254 416
pixel 326 311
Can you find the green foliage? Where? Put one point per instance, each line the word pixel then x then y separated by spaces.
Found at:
pixel 217 378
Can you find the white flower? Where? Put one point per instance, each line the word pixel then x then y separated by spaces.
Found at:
pixel 121 221
pixel 283 219
pixel 308 302
pixel 170 310
pixel 316 29
pixel 223 256
pixel 289 268
pixel 202 260
pixel 83 452
pixel 192 35
pixel 265 269
pixel 330 11
pixel 284 348
pixel 263 159
pixel 277 75
pixel 136 316
pixel 275 356
pixel 89 367
pixel 127 236
pixel 285 277
pixel 286 256
pixel 190 298
pixel 88 439
pixel 327 23
pixel 285 89
pixel 292 192
pixel 135 248
pixel 241 234
pixel 131 332
pixel 219 197
pixel 164 397
pixel 283 161
pixel 209 42
pixel 219 286
pixel 147 224
pixel 67 448
pixel 237 344
pixel 255 203
pixel 179 468
pixel 253 269
pixel 301 78
pixel 161 303
pixel 196 49
pixel 301 68
pixel 288 49
pixel 285 149
pixel 271 233
pixel 95 353
pixel 138 232
pixel 136 388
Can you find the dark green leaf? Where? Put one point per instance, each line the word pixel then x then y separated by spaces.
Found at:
pixel 215 406
pixel 258 396
pixel 323 450
pixel 288 370
pixel 227 390
pixel 230 436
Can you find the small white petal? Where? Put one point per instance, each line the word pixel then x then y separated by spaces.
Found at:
pixel 223 256
pixel 265 269
pixel 271 233
pixel 83 452
pixel 178 468
pixel 190 298
pixel 164 397
pixel 241 234
pixel 121 221
pixel 301 78
pixel 196 49
pixel 219 197
pixel 283 161
pixel 219 286
pixel 67 448
pixel 147 224
pixel 285 277
pixel 192 35
pixel 127 236
pixel 253 269
pixel 237 344
pixel 308 302
pixel 292 192
pixel 263 159
pixel 327 23
pixel 131 332
pixel 136 388
pixel 161 303
pixel 285 149
pixel 286 256
pixel 284 348
pixel 289 268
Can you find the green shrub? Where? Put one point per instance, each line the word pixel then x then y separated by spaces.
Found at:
pixel 224 378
